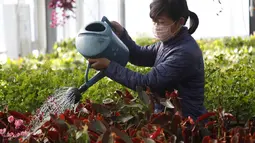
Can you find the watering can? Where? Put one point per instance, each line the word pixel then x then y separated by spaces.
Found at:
pixel 97 40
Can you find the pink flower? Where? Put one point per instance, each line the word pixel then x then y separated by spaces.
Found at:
pixel 10 134
pixel 24 133
pixel 10 119
pixel 2 131
pixel 17 135
pixel 18 123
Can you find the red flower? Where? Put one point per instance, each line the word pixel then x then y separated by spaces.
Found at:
pixel 206 115
pixel 117 114
pixel 86 121
pixel 156 133
pixel 171 95
pixel 210 123
pixel 1 114
pixel 53 135
pixel 136 140
pixel 128 95
pixel 66 112
pixel 62 116
pixel 206 139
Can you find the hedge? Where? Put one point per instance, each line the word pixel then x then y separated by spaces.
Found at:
pixel 229 67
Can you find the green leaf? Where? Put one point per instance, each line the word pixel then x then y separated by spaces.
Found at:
pixel 175 123
pixel 14 140
pixel 132 105
pixel 162 119
pixel 101 109
pixel 106 137
pixel 142 95
pixel 167 103
pixel 148 140
pixel 125 118
pixel 97 126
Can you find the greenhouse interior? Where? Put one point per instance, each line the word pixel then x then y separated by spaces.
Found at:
pixel 127 71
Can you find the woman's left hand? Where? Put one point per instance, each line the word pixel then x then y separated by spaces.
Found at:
pixel 99 64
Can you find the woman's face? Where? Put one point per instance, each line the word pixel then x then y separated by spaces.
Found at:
pixel 165 28
pixel 164 20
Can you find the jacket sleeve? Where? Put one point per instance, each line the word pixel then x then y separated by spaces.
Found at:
pixel 165 74
pixel 140 55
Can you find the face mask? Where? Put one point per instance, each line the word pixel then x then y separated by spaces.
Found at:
pixel 163 32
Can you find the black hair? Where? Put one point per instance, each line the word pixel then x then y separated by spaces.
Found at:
pixel 175 9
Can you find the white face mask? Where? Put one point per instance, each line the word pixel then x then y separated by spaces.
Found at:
pixel 164 32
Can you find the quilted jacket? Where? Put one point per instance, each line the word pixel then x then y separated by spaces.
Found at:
pixel 177 64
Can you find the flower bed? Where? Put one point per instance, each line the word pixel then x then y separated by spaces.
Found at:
pixel 229 70
pixel 126 120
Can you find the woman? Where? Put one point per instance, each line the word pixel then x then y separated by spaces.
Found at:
pixel 176 61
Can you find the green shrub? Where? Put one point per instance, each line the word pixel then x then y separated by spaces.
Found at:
pixel 232 87
pixel 229 68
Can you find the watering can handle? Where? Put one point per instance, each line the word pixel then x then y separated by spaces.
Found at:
pixel 105 19
pixel 94 79
pixel 87 72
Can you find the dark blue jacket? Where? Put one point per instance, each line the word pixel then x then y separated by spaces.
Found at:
pixel 176 64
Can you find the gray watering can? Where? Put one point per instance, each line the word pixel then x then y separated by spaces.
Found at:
pixel 97 40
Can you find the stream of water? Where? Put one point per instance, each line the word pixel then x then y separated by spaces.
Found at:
pixel 55 104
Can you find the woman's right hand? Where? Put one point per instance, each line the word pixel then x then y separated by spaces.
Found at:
pixel 117 28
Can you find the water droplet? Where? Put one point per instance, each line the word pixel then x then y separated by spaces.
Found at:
pixel 55 104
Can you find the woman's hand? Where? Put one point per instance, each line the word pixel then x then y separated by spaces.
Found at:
pixel 117 28
pixel 99 64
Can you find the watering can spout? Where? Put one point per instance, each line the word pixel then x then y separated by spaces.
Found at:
pixel 84 87
pixel 91 81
